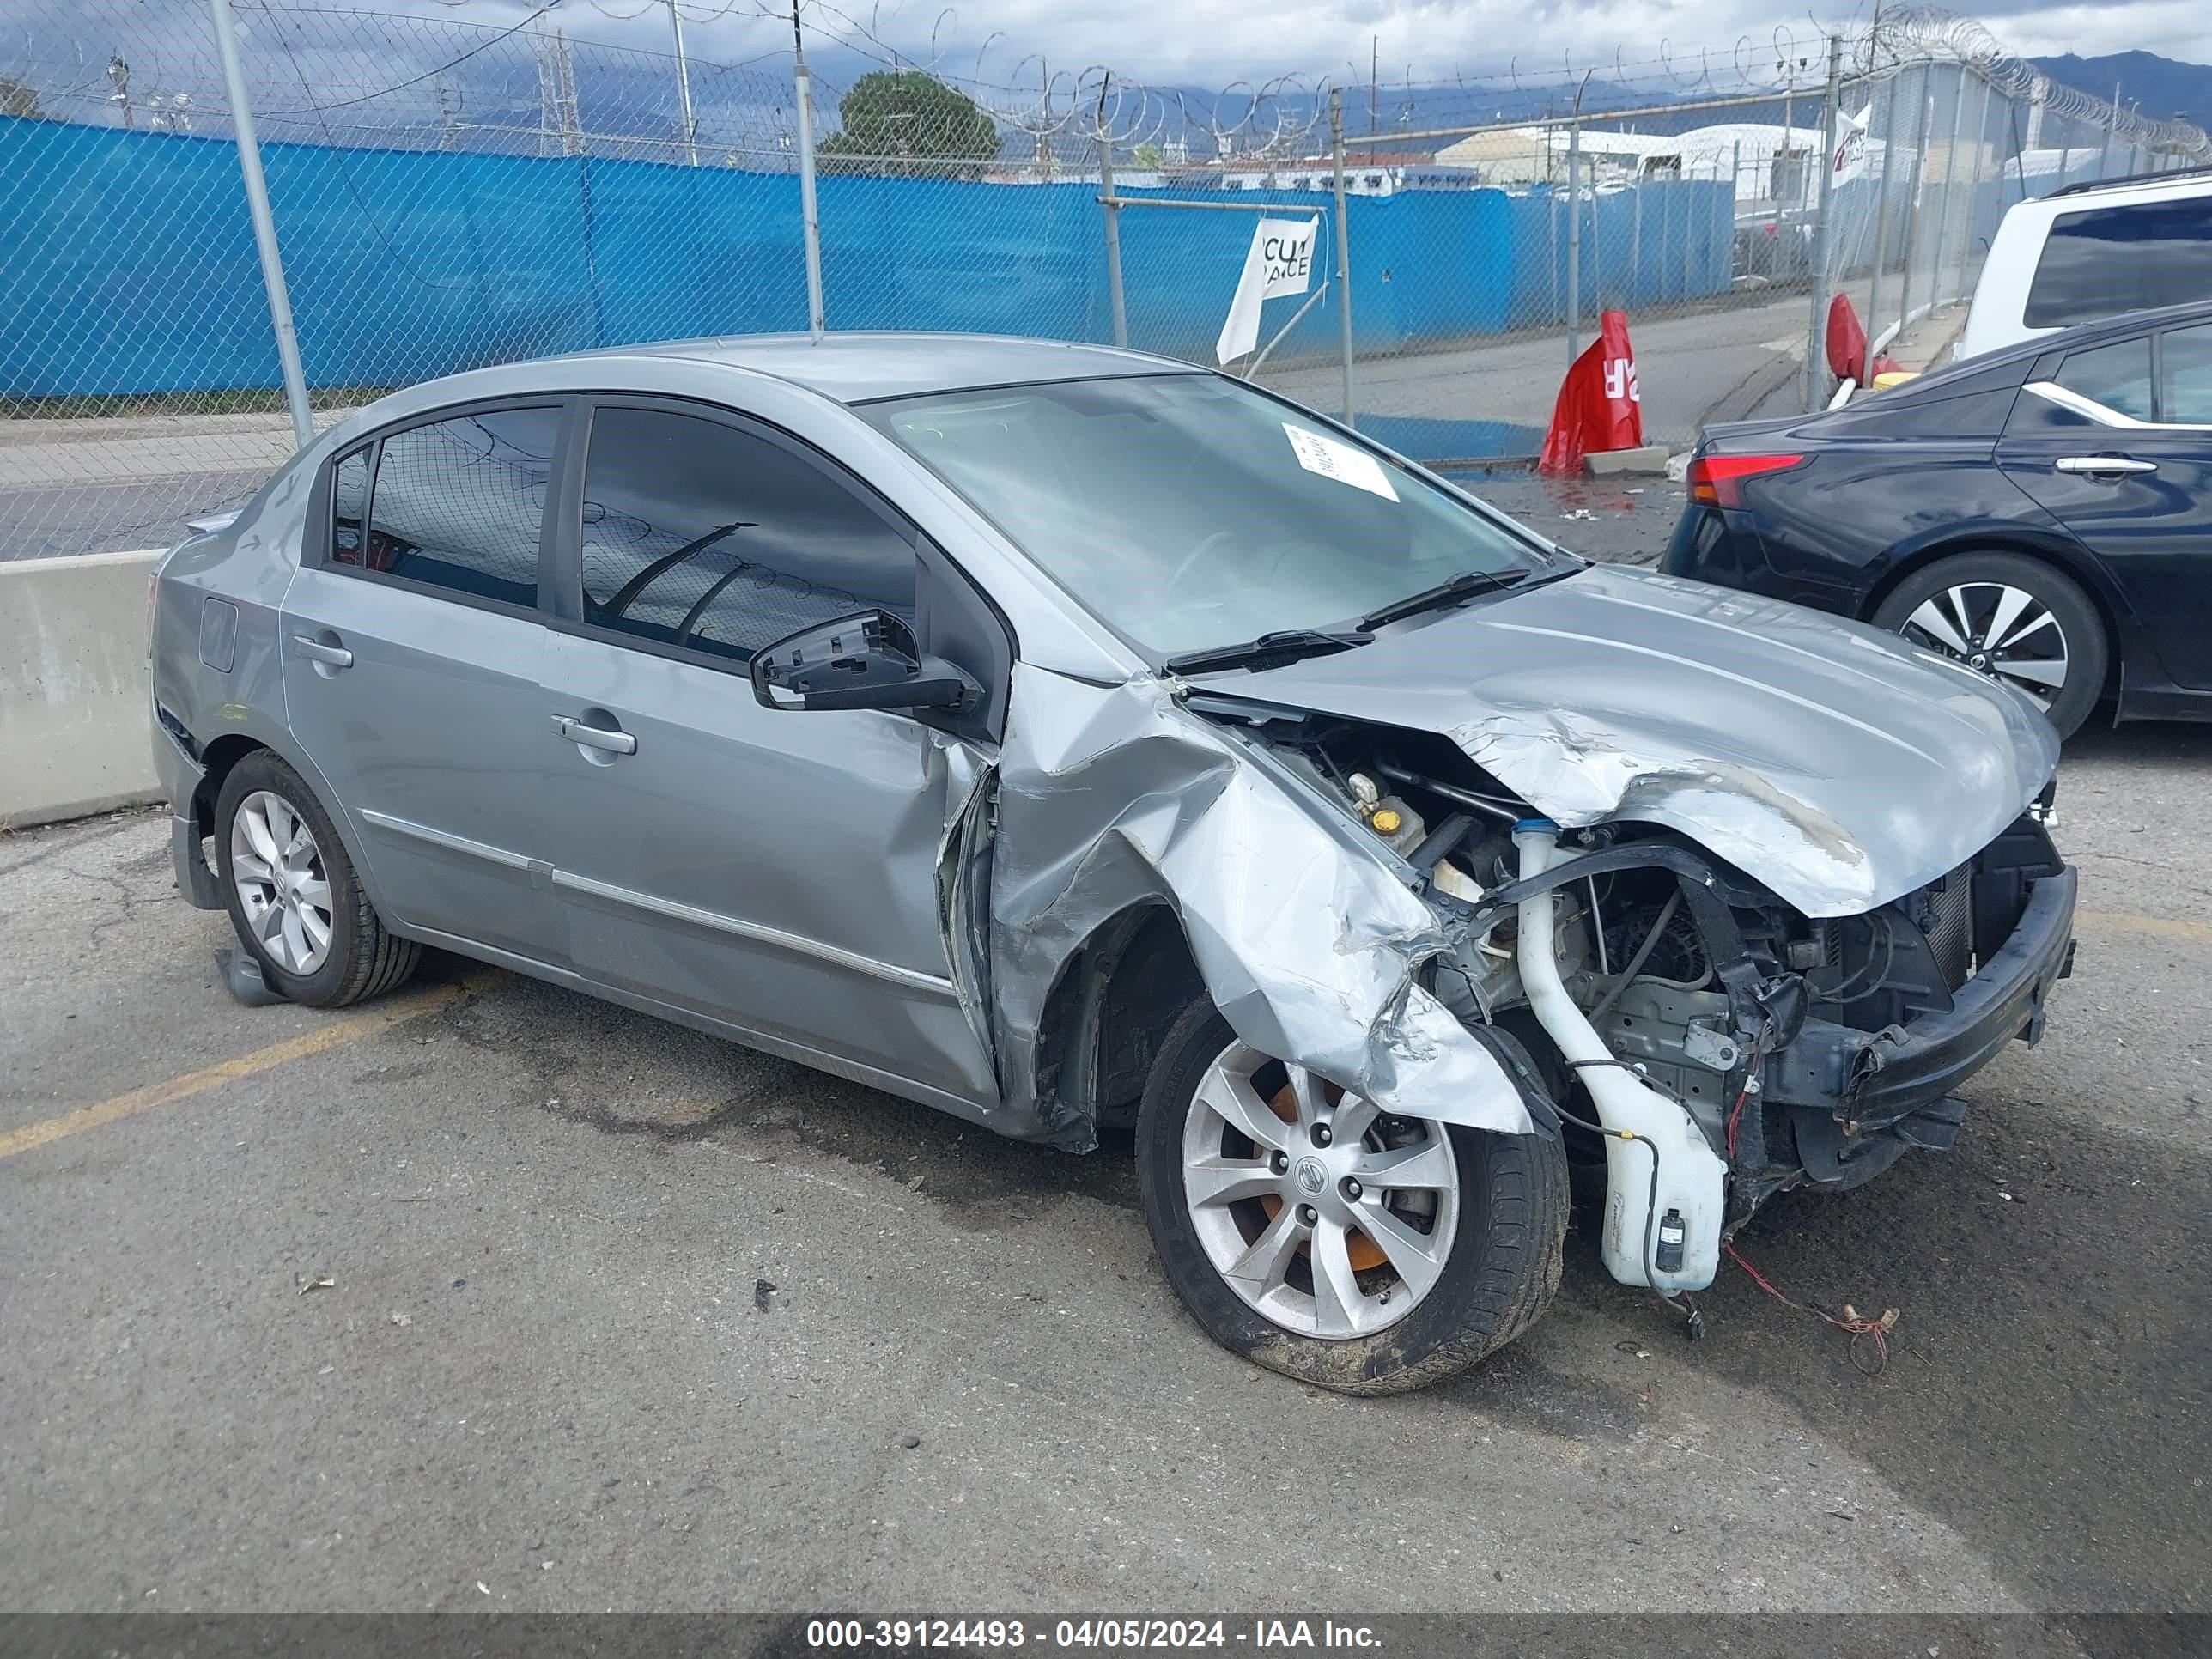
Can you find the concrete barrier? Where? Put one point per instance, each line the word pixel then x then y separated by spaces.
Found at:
pixel 73 733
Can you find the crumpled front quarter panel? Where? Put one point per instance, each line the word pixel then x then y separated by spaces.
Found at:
pixel 1113 796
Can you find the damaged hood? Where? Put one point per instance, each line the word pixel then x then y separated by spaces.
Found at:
pixel 1839 765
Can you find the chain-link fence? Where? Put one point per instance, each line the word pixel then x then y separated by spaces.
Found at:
pixel 440 195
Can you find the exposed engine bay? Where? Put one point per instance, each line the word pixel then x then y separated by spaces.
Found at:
pixel 1706 1044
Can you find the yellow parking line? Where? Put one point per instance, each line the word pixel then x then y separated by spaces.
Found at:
pixel 343 1029
pixel 2121 921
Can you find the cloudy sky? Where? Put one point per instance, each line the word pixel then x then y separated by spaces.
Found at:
pixel 1717 44
pixel 1205 40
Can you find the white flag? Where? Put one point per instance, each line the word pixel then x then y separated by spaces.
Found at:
pixel 1850 157
pixel 1279 261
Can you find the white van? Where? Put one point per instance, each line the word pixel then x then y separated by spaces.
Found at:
pixel 2090 251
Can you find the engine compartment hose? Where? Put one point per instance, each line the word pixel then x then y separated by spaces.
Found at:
pixel 1643 955
pixel 1440 841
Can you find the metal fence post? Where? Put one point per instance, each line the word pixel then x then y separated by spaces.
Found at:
pixel 1831 107
pixel 1636 239
pixel 2112 131
pixel 1882 206
pixel 265 224
pixel 1112 208
pixel 1935 296
pixel 684 88
pixel 810 217
pixel 1574 242
pixel 1343 248
pixel 1914 200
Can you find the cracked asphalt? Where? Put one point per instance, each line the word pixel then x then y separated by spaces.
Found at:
pixel 622 1317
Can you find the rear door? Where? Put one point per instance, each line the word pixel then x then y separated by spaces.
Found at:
pixel 2115 442
pixel 777 871
pixel 413 646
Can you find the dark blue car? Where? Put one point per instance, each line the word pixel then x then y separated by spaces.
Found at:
pixel 2042 514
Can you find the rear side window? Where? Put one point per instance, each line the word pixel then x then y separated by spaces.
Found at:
pixel 2103 261
pixel 2187 360
pixel 457 504
pixel 700 536
pixel 349 501
pixel 2116 375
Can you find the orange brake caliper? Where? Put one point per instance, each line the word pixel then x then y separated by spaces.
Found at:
pixel 1365 1252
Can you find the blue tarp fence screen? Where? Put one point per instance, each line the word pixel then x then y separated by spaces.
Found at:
pixel 127 264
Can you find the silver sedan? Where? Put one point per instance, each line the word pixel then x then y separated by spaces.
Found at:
pixel 1077 742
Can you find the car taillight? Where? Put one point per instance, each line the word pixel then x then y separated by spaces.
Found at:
pixel 1717 480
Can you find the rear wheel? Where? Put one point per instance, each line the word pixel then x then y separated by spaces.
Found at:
pixel 1320 1236
pixel 293 895
pixel 2016 619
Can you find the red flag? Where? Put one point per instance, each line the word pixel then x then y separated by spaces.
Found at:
pixel 1847 342
pixel 1599 406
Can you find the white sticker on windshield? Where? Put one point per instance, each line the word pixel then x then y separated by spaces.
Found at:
pixel 1339 461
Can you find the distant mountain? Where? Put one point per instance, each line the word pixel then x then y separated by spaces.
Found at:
pixel 2160 88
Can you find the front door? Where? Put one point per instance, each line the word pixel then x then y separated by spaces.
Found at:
pixel 2117 445
pixel 776 871
pixel 413 649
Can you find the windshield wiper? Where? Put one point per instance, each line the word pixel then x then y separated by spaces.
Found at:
pixel 1451 589
pixel 1284 645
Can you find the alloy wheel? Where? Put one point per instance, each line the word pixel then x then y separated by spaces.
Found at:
pixel 2000 630
pixel 1328 1217
pixel 282 888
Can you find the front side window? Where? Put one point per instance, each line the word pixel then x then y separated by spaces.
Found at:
pixel 2116 375
pixel 457 504
pixel 2186 360
pixel 1189 511
pixel 702 537
pixel 2104 261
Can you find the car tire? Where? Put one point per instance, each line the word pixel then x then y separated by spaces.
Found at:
pixel 325 945
pixel 1507 1214
pixel 1959 597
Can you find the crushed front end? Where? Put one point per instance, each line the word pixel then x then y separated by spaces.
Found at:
pixel 1899 1007
pixel 1804 1050
pixel 1706 1042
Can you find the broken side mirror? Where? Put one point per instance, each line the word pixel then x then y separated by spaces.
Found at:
pixel 865 660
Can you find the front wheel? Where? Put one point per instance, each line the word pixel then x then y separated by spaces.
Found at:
pixel 2016 619
pixel 1312 1233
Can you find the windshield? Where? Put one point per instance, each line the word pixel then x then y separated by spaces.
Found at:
pixel 1189 511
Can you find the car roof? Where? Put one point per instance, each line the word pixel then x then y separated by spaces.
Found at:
pixel 2190 181
pixel 1951 377
pixel 860 367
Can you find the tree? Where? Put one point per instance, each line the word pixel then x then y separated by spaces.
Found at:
pixel 901 121
pixel 17 98
pixel 1146 156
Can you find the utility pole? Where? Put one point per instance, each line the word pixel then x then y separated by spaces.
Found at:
pixel 118 76
pixel 1374 75
pixel 684 88
pixel 572 120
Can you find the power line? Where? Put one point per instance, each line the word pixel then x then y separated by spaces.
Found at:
pixel 427 75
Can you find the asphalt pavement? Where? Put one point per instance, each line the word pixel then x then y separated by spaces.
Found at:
pixel 492 1297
